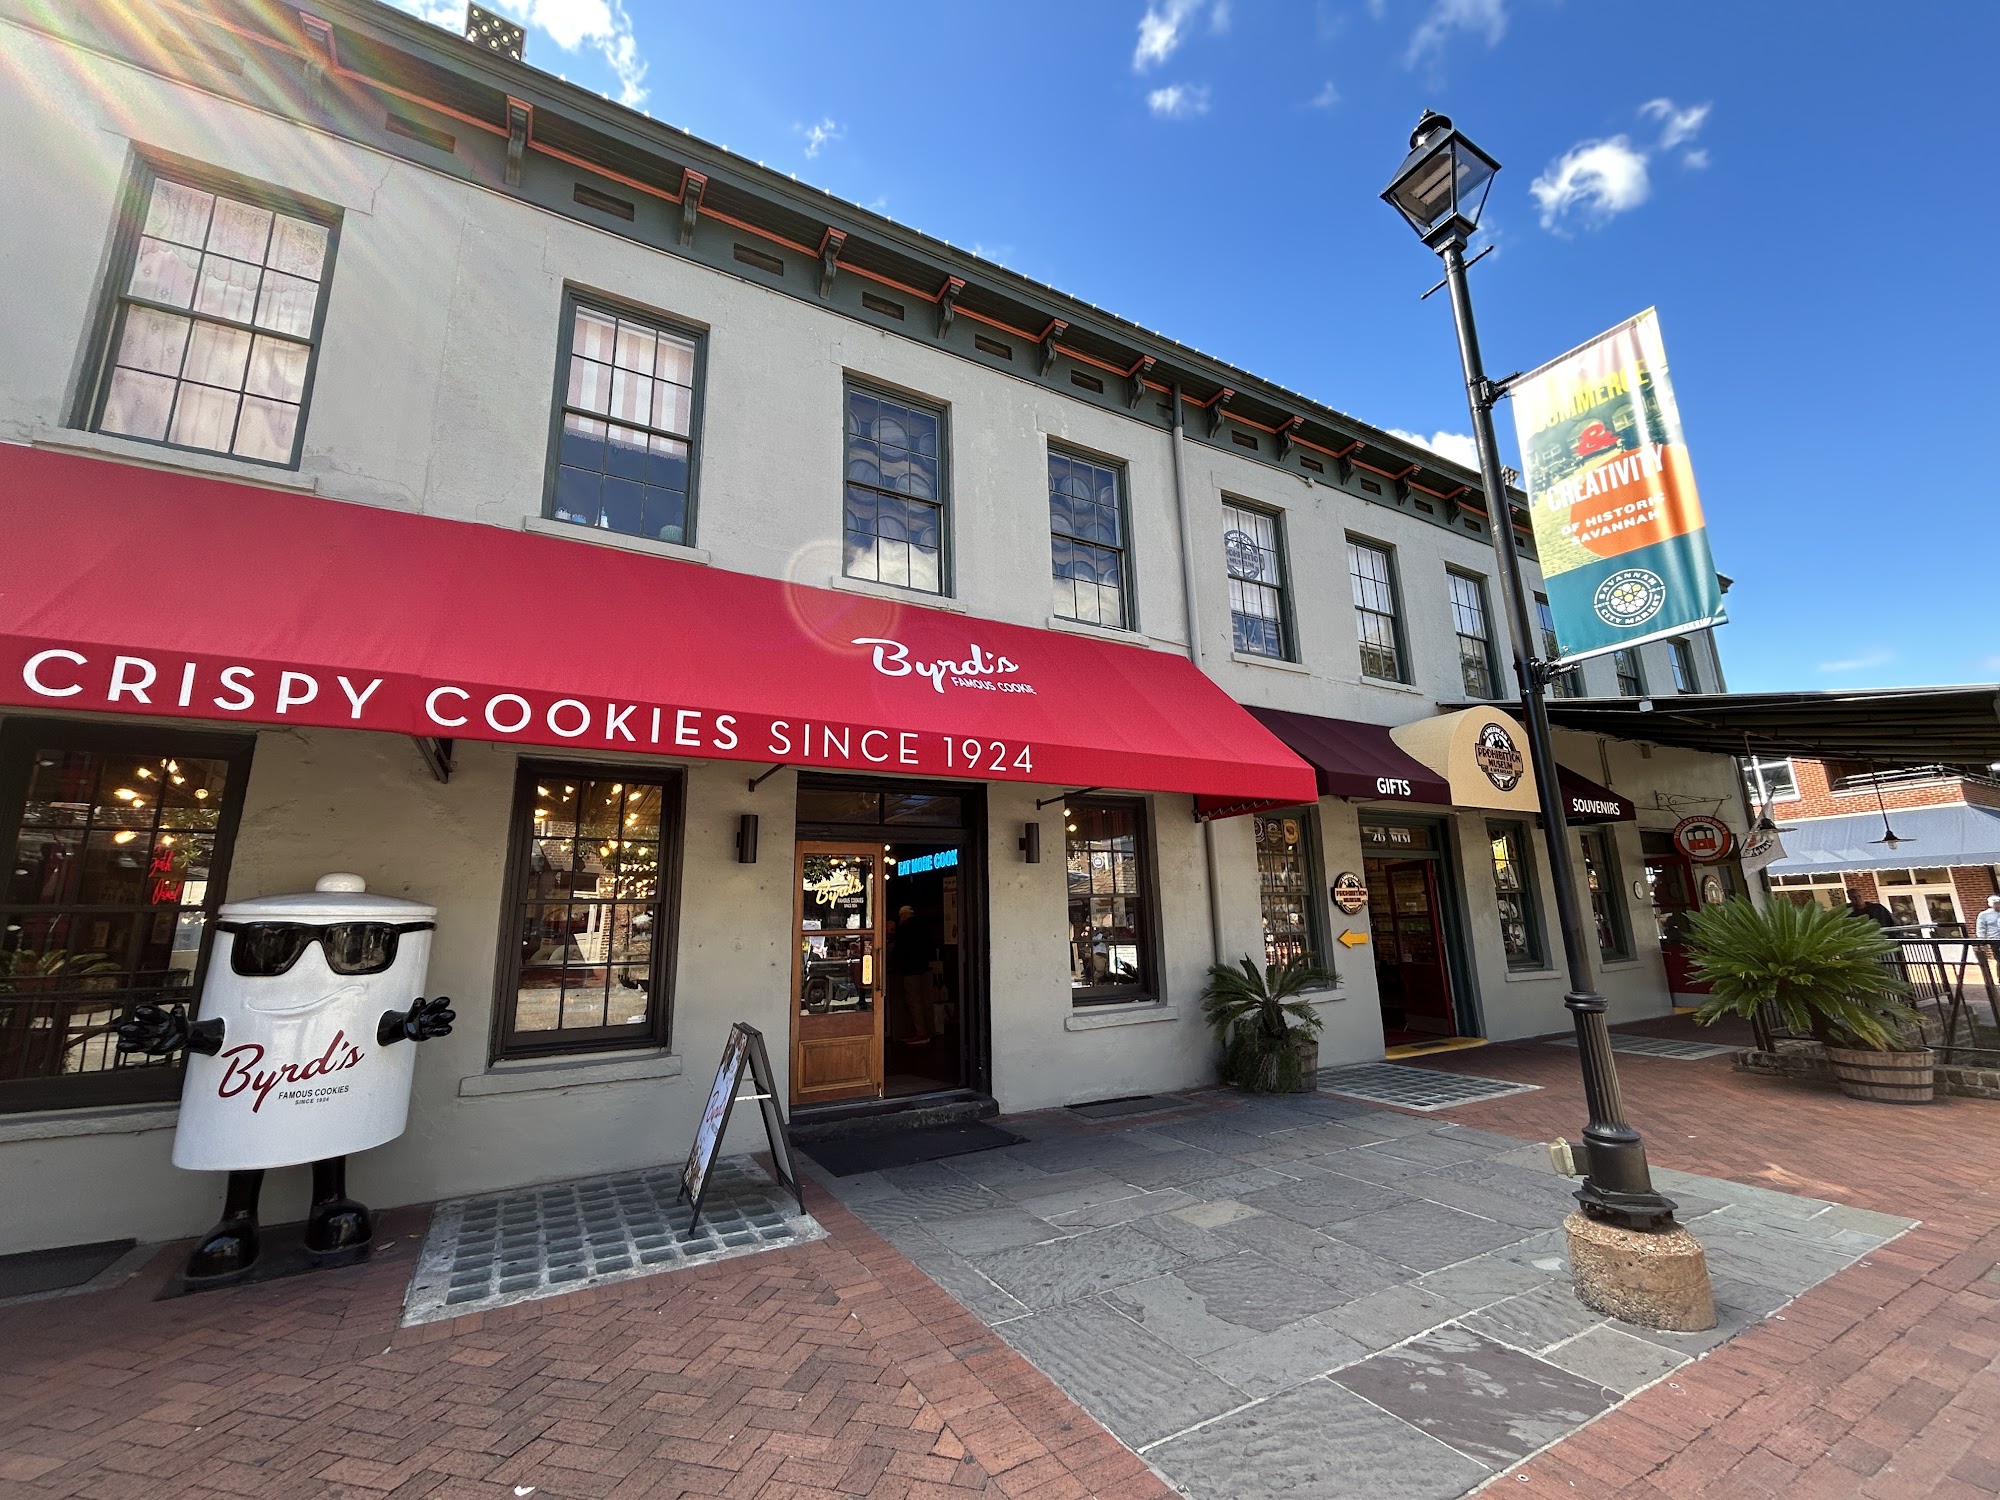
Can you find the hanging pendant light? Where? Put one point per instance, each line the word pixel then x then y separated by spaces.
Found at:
pixel 1889 840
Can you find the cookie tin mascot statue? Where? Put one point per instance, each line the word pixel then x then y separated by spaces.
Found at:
pixel 299 1056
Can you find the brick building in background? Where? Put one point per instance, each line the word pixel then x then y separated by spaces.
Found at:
pixel 1945 822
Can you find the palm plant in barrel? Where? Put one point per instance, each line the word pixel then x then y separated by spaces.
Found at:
pixel 1821 972
pixel 1266 1026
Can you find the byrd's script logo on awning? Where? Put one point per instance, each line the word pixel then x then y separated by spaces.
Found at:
pixel 978 671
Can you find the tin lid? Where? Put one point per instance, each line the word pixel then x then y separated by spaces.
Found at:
pixel 334 898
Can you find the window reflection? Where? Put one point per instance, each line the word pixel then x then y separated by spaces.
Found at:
pixel 1109 917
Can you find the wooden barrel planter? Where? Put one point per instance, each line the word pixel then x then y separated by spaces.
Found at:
pixel 1891 1077
pixel 1307 1050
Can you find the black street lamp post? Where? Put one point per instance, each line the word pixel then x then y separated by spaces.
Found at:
pixel 1440 189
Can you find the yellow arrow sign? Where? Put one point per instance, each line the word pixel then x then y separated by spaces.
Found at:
pixel 1353 939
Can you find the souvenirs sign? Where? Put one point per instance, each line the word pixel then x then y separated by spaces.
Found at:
pixel 744 1050
pixel 1618 525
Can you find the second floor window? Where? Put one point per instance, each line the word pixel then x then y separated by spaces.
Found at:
pixel 1685 678
pixel 1631 680
pixel 894 530
pixel 1087 539
pixel 216 320
pixel 1567 683
pixel 1371 574
pixel 1251 548
pixel 1475 634
pixel 625 456
pixel 1770 781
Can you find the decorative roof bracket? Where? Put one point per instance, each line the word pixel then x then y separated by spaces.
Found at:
pixel 1286 430
pixel 948 303
pixel 829 260
pixel 1138 375
pixel 692 185
pixel 1056 329
pixel 1222 398
pixel 520 124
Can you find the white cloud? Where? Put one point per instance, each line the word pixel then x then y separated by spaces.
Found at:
pixel 1166 24
pixel 1879 657
pixel 1676 124
pixel 1596 178
pixel 1326 98
pixel 1179 101
pixel 1456 446
pixel 1694 160
pixel 1446 17
pixel 818 135
pixel 601 25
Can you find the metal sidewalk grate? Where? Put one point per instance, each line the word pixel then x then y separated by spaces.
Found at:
pixel 1414 1088
pixel 513 1247
pixel 1657 1046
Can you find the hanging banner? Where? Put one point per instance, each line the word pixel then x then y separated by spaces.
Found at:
pixel 1618 525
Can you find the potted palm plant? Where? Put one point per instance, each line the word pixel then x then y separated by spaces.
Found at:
pixel 1822 972
pixel 1269 1033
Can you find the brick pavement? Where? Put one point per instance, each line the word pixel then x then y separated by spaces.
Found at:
pixel 1883 1382
pixel 832 1369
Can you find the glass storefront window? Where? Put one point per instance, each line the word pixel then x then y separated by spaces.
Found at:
pixel 1514 886
pixel 1110 917
pixel 589 910
pixel 1286 888
pixel 119 858
pixel 1607 896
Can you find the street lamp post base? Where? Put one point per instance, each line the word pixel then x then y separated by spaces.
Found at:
pixel 1657 1280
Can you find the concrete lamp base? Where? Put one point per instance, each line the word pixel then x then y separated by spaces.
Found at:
pixel 1653 1280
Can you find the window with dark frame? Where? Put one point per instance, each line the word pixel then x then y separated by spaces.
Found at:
pixel 1686 679
pixel 1253 550
pixel 120 841
pixel 1287 887
pixel 1631 678
pixel 1607 894
pixel 1770 780
pixel 1111 926
pixel 587 960
pixel 894 528
pixel 1087 541
pixel 1567 683
pixel 1514 887
pixel 1371 573
pixel 1470 619
pixel 214 317
pixel 625 444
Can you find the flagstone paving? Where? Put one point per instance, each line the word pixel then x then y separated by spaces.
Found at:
pixel 1312 1297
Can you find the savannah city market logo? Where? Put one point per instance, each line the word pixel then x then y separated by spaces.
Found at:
pixel 1495 754
pixel 1631 596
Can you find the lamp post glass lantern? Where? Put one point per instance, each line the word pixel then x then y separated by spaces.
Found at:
pixel 1440 190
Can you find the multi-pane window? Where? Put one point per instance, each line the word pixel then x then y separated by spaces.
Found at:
pixel 1685 678
pixel 1252 550
pixel 215 322
pixel 895 492
pixel 1514 886
pixel 625 454
pixel 1475 634
pixel 1631 679
pixel 1286 887
pixel 1770 781
pixel 1607 896
pixel 1372 576
pixel 119 844
pixel 586 958
pixel 1568 683
pixel 1110 920
pixel 1087 538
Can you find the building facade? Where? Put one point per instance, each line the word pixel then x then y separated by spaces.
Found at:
pixel 321 316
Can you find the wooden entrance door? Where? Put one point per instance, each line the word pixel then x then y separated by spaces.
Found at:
pixel 1408 934
pixel 837 972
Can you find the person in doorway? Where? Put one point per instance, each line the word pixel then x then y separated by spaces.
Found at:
pixel 1874 911
pixel 1988 924
pixel 909 975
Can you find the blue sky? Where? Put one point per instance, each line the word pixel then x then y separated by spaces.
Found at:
pixel 1806 193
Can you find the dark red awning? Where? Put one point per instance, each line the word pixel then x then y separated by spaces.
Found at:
pixel 133 590
pixel 1349 759
pixel 1584 801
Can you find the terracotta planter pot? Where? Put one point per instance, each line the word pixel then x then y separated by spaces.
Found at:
pixel 1890 1077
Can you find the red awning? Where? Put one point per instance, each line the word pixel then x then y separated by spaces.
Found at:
pixel 1349 759
pixel 1584 801
pixel 132 590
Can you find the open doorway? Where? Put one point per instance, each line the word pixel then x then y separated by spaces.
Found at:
pixel 1410 930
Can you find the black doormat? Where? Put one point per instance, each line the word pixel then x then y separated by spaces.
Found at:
pixel 57 1270
pixel 849 1156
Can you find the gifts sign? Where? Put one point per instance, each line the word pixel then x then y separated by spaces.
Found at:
pixel 744 1051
